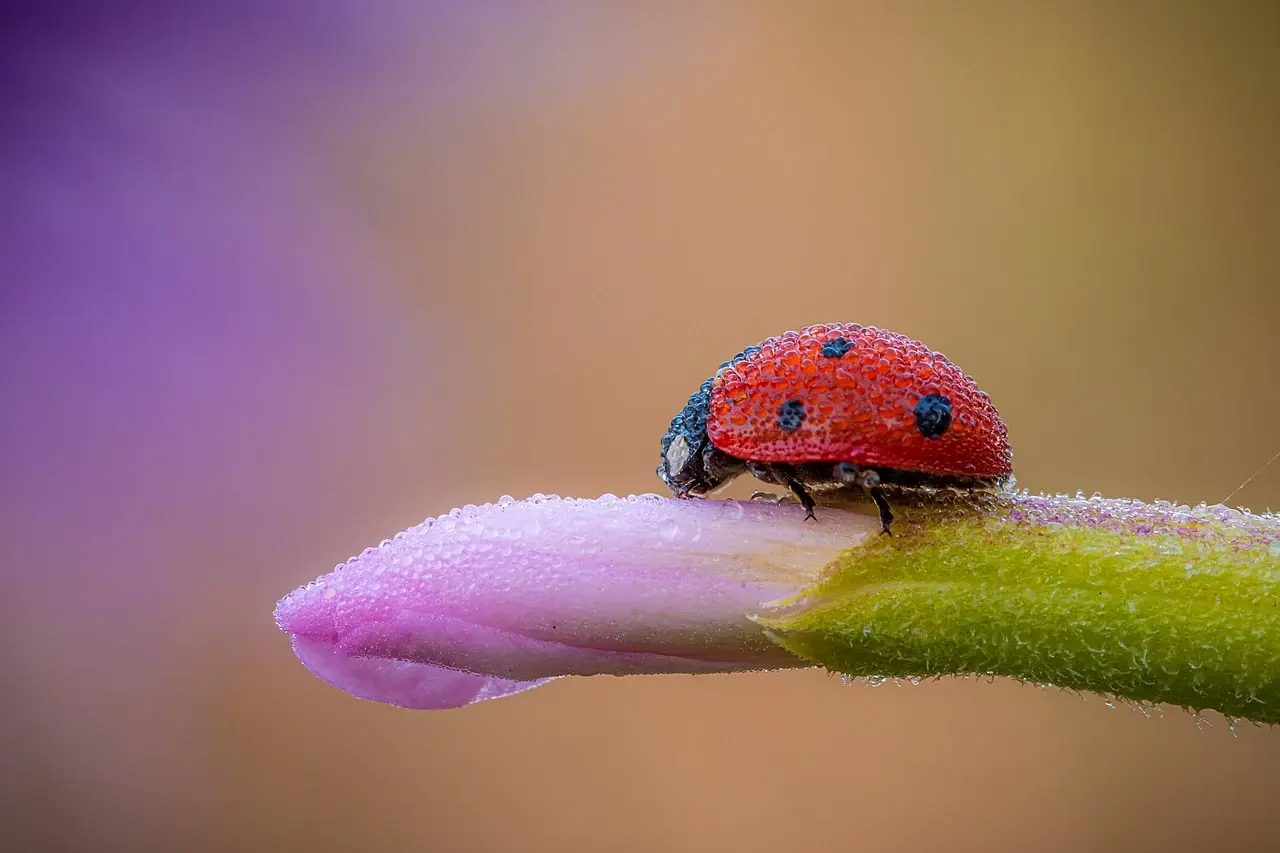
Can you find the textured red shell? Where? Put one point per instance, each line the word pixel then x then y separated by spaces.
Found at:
pixel 858 407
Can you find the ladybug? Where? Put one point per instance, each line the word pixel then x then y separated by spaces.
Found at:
pixel 838 405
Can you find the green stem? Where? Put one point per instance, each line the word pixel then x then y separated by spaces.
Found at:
pixel 1144 602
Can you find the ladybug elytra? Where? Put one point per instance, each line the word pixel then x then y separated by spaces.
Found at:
pixel 838 406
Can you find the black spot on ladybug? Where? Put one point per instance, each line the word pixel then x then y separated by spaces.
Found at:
pixel 791 415
pixel 836 347
pixel 933 415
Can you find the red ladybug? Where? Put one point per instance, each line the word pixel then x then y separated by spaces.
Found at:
pixel 838 406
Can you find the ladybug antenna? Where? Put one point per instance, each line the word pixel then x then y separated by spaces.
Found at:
pixel 1251 478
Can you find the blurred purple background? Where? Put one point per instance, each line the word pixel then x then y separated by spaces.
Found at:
pixel 280 279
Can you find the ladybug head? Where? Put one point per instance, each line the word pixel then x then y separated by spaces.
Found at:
pixel 691 465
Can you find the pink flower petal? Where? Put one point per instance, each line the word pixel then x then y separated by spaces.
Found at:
pixel 402 683
pixel 491 600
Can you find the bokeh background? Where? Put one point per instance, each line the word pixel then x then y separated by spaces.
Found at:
pixel 279 279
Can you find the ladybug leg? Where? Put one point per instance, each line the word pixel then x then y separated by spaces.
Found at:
pixel 784 475
pixel 886 514
pixel 868 479
pixel 806 500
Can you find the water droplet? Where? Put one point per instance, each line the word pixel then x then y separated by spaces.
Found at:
pixel 330 592
pixel 732 511
pixel 876 680
pixel 667 530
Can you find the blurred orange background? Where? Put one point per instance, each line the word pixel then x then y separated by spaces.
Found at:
pixel 289 280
